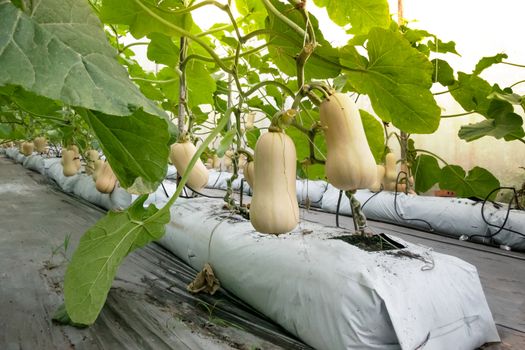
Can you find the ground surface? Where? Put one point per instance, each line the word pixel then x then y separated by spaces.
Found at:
pixel 148 306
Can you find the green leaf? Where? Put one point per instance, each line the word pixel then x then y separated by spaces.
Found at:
pixel 274 92
pixel 252 136
pixel 471 92
pixel 437 45
pixel 136 147
pixel 443 72
pixel 426 172
pixel 361 14
pixel 375 135
pixel 478 183
pixel 486 62
pixel 140 22
pixel 302 147
pixel 61 317
pixel 226 142
pixel 503 125
pixel 100 252
pixel 254 14
pixel 163 50
pixel 397 78
pixel 60 51
pixel 285 44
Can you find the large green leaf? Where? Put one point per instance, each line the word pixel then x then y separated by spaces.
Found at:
pixel 397 78
pixel 362 15
pixel 287 43
pixel 163 50
pixel 140 21
pixel 59 50
pixel 471 92
pixel 375 135
pixel 254 14
pixel 479 182
pixel 100 252
pixel 136 146
pixel 426 172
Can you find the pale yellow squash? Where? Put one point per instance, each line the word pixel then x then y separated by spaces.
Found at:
pixel 350 164
pixel 40 144
pixel 97 166
pixel 106 179
pixel 274 207
pixel 376 187
pixel 68 163
pixel 27 148
pixel 180 155
pixel 390 167
pixel 249 173
pixel 76 159
pixel 91 156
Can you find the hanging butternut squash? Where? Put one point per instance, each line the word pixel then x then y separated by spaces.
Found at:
pixel 76 159
pixel 68 163
pixel 274 207
pixel 40 144
pixel 249 173
pixel 106 179
pixel 180 155
pixel 350 164
pixel 97 166
pixel 91 156
pixel 376 187
pixel 27 148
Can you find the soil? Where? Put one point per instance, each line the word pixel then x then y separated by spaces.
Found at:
pixel 375 243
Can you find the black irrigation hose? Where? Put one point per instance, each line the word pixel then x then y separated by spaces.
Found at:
pixel 204 195
pixel 338 207
pixel 502 227
pixel 431 229
pixel 372 196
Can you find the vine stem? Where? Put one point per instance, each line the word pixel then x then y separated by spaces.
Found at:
pixel 280 85
pixel 516 83
pixel 131 45
pixel 182 85
pixel 185 33
pixel 457 115
pixel 285 19
pixel 514 64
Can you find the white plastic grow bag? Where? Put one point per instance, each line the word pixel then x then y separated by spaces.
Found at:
pixel 331 294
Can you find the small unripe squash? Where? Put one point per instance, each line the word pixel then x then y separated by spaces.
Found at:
pixel 250 118
pixel 350 164
pixel 274 207
pixel 91 156
pixel 180 155
pixel 97 166
pixel 106 179
pixel 68 162
pixel 376 187
pixel 249 173
pixel 27 148
pixel 40 144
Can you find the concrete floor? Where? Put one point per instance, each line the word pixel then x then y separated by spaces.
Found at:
pixel 148 306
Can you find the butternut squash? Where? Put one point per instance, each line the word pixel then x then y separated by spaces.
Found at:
pixel 27 148
pixel 180 155
pixel 228 161
pixel 350 164
pixel 69 166
pixel 40 144
pixel 97 166
pixel 390 167
pixel 91 156
pixel 274 207
pixel 76 158
pixel 250 118
pixel 216 162
pixel 106 179
pixel 376 187
pixel 249 173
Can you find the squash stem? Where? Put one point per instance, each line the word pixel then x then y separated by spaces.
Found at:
pixel 358 216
